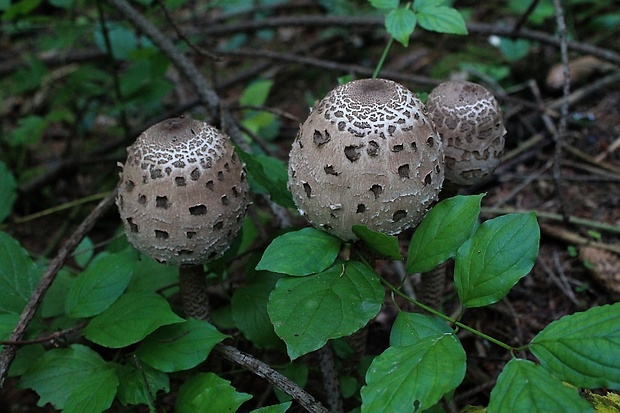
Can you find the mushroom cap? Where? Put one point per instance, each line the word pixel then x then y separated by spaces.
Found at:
pixel 367 154
pixel 469 120
pixel 182 195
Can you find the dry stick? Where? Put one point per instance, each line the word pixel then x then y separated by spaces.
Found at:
pixel 330 378
pixel 8 352
pixel 562 127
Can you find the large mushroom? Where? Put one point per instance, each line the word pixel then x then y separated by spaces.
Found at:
pixel 469 120
pixel 367 154
pixel 182 194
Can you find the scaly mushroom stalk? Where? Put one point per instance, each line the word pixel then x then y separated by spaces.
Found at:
pixel 182 197
pixel 469 120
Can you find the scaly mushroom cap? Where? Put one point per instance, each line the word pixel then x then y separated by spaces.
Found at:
pixel 368 155
pixel 183 192
pixel 469 120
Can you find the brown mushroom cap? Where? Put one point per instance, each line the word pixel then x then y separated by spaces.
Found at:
pixel 183 192
pixel 368 155
pixel 469 120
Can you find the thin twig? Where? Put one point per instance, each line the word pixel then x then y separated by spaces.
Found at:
pixel 8 352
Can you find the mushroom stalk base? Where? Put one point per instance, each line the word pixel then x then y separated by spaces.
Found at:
pixel 194 292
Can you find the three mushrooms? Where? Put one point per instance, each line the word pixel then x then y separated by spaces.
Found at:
pixel 369 153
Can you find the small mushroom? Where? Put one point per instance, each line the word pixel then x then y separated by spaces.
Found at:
pixel 182 194
pixel 469 120
pixel 367 154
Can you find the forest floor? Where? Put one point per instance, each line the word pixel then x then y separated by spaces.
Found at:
pixel 578 208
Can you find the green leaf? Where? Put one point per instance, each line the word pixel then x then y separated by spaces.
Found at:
pixel 303 252
pixel 179 346
pixel 380 243
pixel 206 392
pixel 277 408
pixel 95 394
pixel 7 325
pixel 122 41
pixel 514 50
pixel 83 252
pixel 441 19
pixel 100 285
pixel 400 24
pixel 249 310
pixel 150 275
pixel 54 300
pixel 308 311
pixel 256 93
pixel 28 131
pixel 269 173
pixel 131 318
pixel 8 189
pixel 502 251
pixel 384 4
pixel 61 371
pixel 18 276
pixel 442 231
pixel 410 328
pixel 524 386
pixel 139 384
pixel 415 377
pixel 583 348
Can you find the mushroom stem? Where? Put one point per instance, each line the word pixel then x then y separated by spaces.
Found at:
pixel 194 294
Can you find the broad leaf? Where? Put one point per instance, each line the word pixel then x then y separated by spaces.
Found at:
pixel 206 392
pixel 83 252
pixel 61 371
pixel 400 24
pixel 523 386
pixel 95 394
pixel 256 93
pixel 179 346
pixel 100 285
pixel 411 328
pixel 139 383
pixel 270 174
pixel 502 251
pixel 278 408
pixel 7 325
pixel 249 310
pixel 583 348
pixel 303 252
pixel 308 311
pixel 8 189
pixel 442 231
pixel 413 378
pixel 385 245
pixel 131 318
pixel 18 276
pixel 441 19
pixel 384 4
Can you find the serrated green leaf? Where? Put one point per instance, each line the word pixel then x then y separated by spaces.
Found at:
pixel 28 131
pixel 308 311
pixel 100 285
pixel 384 4
pixel 179 346
pixel 442 231
pixel 413 378
pixel 441 19
pixel 53 304
pixel 206 392
pixel 502 251
pixel 139 384
pixel 131 318
pixel 410 328
pixel 400 24
pixel 150 275
pixel 18 275
pixel 270 174
pixel 385 245
pixel 95 394
pixel 523 386
pixel 60 371
pixel 8 189
pixel 583 348
pixel 299 253
pixel 249 310
pixel 278 408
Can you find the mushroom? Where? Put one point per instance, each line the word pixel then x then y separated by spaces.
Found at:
pixel 469 120
pixel 182 194
pixel 367 154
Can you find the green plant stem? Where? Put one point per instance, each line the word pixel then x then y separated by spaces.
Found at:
pixel 383 57
pixel 62 207
pixel 443 316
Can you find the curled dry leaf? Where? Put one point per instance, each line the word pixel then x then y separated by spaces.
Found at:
pixel 604 267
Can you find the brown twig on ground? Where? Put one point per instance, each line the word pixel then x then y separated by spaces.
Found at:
pixel 8 352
